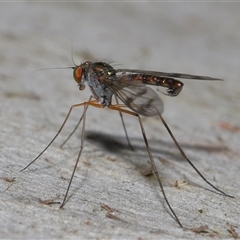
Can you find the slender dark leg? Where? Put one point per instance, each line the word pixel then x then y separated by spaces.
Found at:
pixel 60 129
pixel 124 127
pixel 86 104
pixel 117 108
pixel 188 160
pixel 80 120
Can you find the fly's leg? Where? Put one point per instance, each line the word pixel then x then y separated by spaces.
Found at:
pixel 86 105
pixel 76 127
pixel 124 127
pixel 188 160
pixel 60 129
pixel 80 120
pixel 118 108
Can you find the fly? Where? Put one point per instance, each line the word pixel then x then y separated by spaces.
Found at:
pixel 129 86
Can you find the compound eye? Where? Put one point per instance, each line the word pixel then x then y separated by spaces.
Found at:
pixel 77 74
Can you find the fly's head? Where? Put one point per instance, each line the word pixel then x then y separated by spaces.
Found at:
pixel 80 74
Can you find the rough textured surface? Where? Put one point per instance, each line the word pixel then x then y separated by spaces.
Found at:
pixel 200 38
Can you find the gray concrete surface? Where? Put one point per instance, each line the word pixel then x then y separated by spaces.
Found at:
pixel 194 38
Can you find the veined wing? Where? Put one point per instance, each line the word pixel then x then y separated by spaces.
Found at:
pixel 135 95
pixel 165 74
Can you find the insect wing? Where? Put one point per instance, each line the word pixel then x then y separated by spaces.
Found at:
pixel 165 74
pixel 137 96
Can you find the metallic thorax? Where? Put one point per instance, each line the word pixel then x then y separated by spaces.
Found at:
pixel 96 74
